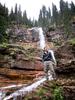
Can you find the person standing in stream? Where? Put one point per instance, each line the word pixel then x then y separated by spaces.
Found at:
pixel 49 63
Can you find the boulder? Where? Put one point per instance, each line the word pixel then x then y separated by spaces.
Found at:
pixel 20 58
pixel 65 57
pixel 27 65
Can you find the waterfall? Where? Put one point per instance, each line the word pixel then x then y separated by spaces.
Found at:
pixel 29 88
pixel 42 38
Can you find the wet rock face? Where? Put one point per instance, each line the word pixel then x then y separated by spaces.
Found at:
pixel 69 92
pixel 38 65
pixel 20 58
pixel 65 70
pixel 23 35
pixel 18 65
pixel 27 65
pixel 68 68
pixel 22 62
pixel 65 57
pixel 64 54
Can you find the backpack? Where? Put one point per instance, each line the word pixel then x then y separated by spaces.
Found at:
pixel 47 56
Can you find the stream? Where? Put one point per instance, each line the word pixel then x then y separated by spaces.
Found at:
pixel 25 89
pixel 21 92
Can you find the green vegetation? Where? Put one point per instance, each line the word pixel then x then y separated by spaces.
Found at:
pixel 17 18
pixel 3 45
pixel 50 91
pixel 72 41
pixel 3 23
pixel 57 93
pixel 62 18
pixel 42 94
pixel 12 49
pixel 30 54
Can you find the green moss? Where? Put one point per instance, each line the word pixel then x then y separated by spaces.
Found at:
pixel 72 41
pixel 41 93
pixel 4 45
pixel 1 56
pixel 50 91
pixel 57 93
pixel 30 54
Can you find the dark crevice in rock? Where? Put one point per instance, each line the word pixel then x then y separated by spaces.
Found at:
pixel 25 69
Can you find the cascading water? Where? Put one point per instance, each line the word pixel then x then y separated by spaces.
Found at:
pixel 31 87
pixel 42 38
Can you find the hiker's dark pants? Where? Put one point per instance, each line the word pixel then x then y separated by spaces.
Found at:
pixel 49 69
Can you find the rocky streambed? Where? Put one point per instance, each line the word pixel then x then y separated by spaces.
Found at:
pixel 18 66
pixel 63 88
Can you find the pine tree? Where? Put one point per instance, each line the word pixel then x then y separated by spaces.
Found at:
pixel 49 16
pixel 19 15
pixel 54 15
pixel 72 9
pixel 67 19
pixel 40 18
pixel 62 9
pixel 16 13
pixel 12 15
pixel 49 13
pixel 43 17
pixel 25 19
pixel 3 22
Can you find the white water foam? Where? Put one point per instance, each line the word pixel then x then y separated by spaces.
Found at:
pixel 27 89
pixel 42 38
pixel 31 87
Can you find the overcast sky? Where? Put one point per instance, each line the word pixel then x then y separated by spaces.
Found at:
pixel 32 7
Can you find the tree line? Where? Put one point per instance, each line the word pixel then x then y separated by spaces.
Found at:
pixel 17 17
pixel 3 22
pixel 57 18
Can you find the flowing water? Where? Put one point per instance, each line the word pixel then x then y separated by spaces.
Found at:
pixel 34 85
pixel 42 38
pixel 27 89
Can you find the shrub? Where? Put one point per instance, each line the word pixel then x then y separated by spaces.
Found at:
pixel 72 41
pixel 57 93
